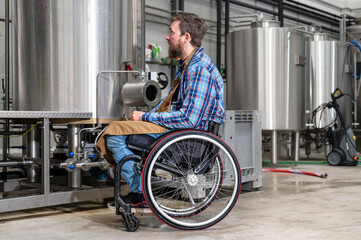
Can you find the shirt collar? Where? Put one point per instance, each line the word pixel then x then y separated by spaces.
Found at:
pixel 181 62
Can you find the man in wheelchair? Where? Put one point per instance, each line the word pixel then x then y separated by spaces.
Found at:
pixel 195 100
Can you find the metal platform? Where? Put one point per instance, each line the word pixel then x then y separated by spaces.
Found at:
pixel 46 197
pixel 43 114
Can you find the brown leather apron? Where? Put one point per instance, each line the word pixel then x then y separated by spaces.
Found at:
pixel 139 127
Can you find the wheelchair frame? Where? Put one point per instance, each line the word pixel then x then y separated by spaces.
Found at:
pixel 131 222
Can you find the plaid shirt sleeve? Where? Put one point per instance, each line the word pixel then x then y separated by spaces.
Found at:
pixel 156 107
pixel 197 91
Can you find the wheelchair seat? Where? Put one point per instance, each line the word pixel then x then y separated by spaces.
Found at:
pixel 140 143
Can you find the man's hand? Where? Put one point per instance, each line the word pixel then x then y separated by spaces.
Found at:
pixel 137 115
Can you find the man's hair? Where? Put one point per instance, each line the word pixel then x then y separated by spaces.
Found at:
pixel 192 24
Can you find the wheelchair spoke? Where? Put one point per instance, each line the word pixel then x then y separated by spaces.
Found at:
pixel 205 160
pixel 184 157
pixel 188 192
pixel 204 192
pixel 172 162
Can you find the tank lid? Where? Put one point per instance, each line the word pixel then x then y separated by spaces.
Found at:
pixel 264 23
pixel 322 37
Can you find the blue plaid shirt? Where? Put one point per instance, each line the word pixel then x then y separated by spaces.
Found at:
pixel 199 100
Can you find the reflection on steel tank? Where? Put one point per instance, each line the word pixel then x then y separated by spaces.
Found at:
pixel 266 72
pixel 326 70
pixel 61 46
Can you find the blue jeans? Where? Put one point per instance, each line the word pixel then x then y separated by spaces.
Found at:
pixel 116 144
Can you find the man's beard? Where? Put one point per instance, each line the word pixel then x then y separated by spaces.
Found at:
pixel 175 51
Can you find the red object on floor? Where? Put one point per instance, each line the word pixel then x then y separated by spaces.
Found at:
pixel 321 175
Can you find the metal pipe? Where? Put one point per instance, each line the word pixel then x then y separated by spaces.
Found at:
pixel 173 69
pixel 138 47
pixel 297 146
pixel 7 80
pixel 343 29
pixel 219 22
pixel 274 147
pixel 280 12
pixel 257 15
pixel 32 150
pixel 173 6
pixel 45 168
pixel 58 129
pixel 159 9
pixel 85 166
pixel 22 161
pixel 310 23
pixel 142 35
pixel 15 163
pixel 7 55
pixel 227 17
pixel 355 68
pixel 12 133
pixel 3 20
pixel 355 84
pixel 74 178
pixel 181 5
pixel 226 31
pixel 156 15
pixel 23 158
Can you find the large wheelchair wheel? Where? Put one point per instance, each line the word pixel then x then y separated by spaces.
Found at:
pixel 191 179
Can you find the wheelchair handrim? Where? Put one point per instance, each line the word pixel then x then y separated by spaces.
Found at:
pixel 229 204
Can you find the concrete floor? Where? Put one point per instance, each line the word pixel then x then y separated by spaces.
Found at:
pixel 289 206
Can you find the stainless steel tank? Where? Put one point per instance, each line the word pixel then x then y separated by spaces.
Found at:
pixel 60 47
pixel 266 71
pixel 327 70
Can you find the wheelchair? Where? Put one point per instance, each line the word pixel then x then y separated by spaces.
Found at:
pixel 191 179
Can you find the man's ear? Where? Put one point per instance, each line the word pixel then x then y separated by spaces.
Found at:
pixel 187 37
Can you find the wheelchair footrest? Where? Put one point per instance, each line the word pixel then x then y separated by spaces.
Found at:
pixel 134 210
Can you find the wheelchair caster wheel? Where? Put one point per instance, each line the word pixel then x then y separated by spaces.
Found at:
pixel 131 223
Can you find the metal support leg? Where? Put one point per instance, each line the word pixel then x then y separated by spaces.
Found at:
pixel 45 168
pixel 297 146
pixel 32 150
pixel 327 150
pixel 274 147
pixel 74 179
